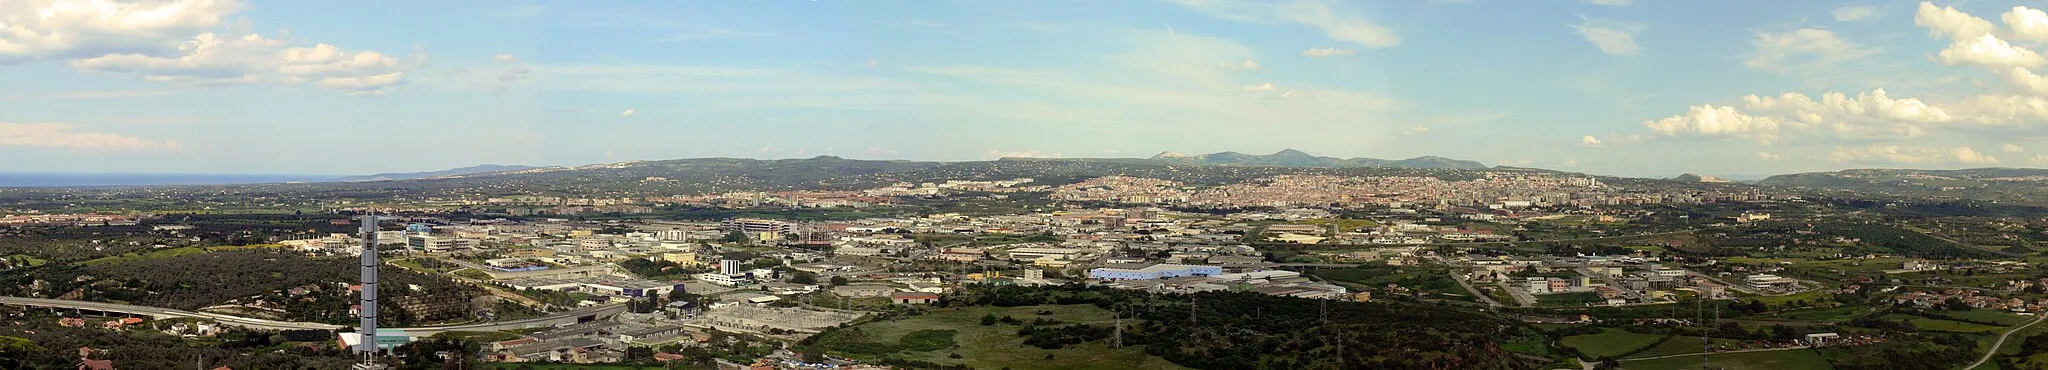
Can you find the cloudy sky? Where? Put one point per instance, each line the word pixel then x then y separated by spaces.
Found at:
pixel 1623 87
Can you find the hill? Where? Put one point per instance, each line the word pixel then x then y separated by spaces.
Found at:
pixel 2023 185
pixel 472 170
pixel 1296 158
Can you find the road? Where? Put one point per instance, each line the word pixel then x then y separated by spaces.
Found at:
pixel 156 312
pixel 160 313
pixel 1522 297
pixel 1717 353
pixel 1474 244
pixel 1475 292
pixel 2001 343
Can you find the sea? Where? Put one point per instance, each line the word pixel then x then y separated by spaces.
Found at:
pixel 50 179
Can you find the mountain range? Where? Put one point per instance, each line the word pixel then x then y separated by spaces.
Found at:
pixel 1296 158
pixel 471 170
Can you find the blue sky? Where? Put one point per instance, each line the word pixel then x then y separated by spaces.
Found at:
pixel 1636 88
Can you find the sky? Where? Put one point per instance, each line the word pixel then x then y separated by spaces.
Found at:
pixel 1650 88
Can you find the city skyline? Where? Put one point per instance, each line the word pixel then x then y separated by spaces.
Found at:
pixel 1611 87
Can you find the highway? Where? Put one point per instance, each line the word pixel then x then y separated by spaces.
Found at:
pixel 572 316
pixel 163 313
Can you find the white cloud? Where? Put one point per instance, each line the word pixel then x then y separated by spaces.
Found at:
pixel 628 113
pixel 59 29
pixel 212 59
pixel 502 57
pixel 2027 23
pixel 2009 148
pixel 1248 65
pixel 1611 2
pixel 1291 94
pixel 1571 162
pixel 1326 52
pixel 1591 142
pixel 1259 87
pixel 2040 158
pixel 1947 21
pixel 1907 154
pixel 1612 37
pixel 1418 130
pixel 1335 24
pixel 872 63
pixel 1804 50
pixel 1854 13
pixel 1988 51
pixel 1965 155
pixel 1709 120
pixel 162 41
pixel 997 154
pixel 1768 156
pixel 58 135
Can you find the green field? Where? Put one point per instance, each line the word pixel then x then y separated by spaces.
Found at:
pixel 1573 299
pixel 1679 345
pixel 1427 279
pixel 27 260
pixel 173 252
pixel 1945 325
pixel 990 347
pixel 2001 317
pixel 1610 342
pixel 1830 315
pixel 1791 359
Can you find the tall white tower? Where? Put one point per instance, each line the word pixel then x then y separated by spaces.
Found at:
pixel 367 349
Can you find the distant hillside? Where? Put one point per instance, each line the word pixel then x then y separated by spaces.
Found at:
pixel 1992 184
pixel 488 168
pixel 1691 177
pixel 1293 158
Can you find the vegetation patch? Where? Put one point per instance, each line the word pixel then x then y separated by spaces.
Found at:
pixel 1791 359
pixel 1610 342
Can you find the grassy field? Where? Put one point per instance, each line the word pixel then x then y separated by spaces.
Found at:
pixel 1832 315
pixel 1611 342
pixel 1343 224
pixel 2001 317
pixel 1679 345
pixel 1945 325
pixel 1573 299
pixel 1791 359
pixel 27 260
pixel 995 346
pixel 173 252
pixel 1427 279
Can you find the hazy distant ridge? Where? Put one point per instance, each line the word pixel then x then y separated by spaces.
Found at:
pixel 1295 158
pixel 472 170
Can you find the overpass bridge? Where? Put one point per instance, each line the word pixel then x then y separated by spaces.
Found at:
pixel 566 317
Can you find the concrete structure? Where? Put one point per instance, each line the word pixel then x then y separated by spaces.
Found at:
pixel 721 279
pixel 1164 270
pixel 858 291
pixel 729 267
pixel 913 298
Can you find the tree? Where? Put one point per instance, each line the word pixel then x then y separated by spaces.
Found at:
pixel 735 237
pixel 639 354
pixel 839 280
pixel 989 319
pixel 803 277
pixel 1955 304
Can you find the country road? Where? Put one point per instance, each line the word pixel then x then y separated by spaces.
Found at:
pixel 1716 353
pixel 2001 343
